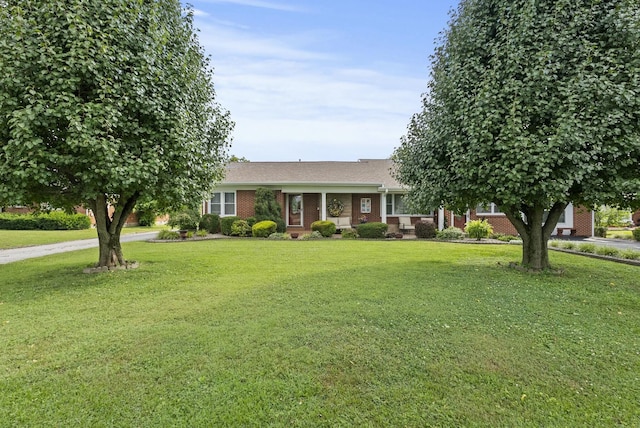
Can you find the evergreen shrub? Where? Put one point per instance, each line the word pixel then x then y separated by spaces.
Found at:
pixel 263 229
pixel 425 229
pixel 226 223
pixel 325 227
pixel 374 230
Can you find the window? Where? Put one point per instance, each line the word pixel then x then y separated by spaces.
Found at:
pixel 223 203
pixel 365 205
pixel 396 206
pixel 488 209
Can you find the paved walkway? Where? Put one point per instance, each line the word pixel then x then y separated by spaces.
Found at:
pixel 23 253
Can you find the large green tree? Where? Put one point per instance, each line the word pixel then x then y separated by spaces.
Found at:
pixel 532 105
pixel 103 103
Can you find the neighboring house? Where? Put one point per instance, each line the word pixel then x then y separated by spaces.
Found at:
pixel 307 191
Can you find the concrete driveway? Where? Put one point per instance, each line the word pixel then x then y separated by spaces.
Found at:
pixel 23 253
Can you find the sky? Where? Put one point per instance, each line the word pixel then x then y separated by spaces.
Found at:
pixel 319 80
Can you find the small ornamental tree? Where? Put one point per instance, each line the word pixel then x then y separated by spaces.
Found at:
pixel 531 105
pixel 104 103
pixel 267 208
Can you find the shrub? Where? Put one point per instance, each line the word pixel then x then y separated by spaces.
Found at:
pixel 226 223
pixel 55 220
pixel 240 228
pixel 600 231
pixel 263 229
pixel 314 235
pixel 202 233
pixel 587 248
pixel 372 230
pixel 426 229
pixel 168 235
pixel 630 254
pixel 251 221
pixel 324 227
pixel 478 229
pixel 554 243
pixel 450 233
pixel 279 236
pixel 266 207
pixel 349 234
pixel 568 245
pixel 183 220
pixel 607 251
pixel 210 223
pixel 636 233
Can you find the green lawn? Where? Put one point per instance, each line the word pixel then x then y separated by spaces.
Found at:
pixel 620 234
pixel 319 333
pixel 26 238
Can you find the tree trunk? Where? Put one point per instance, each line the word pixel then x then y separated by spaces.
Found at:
pixel 534 233
pixel 109 227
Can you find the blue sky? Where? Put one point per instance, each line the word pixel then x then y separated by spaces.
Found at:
pixel 319 80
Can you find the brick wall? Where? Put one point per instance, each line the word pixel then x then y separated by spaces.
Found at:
pixel 374 215
pixel 581 222
pixel 245 203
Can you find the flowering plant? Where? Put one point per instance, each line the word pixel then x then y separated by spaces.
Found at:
pixel 363 219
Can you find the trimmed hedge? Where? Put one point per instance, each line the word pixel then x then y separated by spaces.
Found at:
pixel 325 227
pixel 426 229
pixel 373 230
pixel 55 220
pixel 226 223
pixel 210 223
pixel 263 229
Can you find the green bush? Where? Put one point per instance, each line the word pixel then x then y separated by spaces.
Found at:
pixel 226 223
pixel 55 220
pixel 240 228
pixel 450 233
pixel 184 220
pixel 324 227
pixel 267 207
pixel 600 231
pixel 210 223
pixel 587 248
pixel 372 230
pixel 202 233
pixel 636 233
pixel 425 229
pixel 630 254
pixel 349 234
pixel 478 229
pixel 608 251
pixel 263 229
pixel 313 235
pixel 251 221
pixel 568 245
pixel 279 236
pixel 168 235
pixel 554 243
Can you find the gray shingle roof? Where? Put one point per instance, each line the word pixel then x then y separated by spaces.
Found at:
pixel 363 172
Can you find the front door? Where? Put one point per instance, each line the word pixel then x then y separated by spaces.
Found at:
pixel 294 210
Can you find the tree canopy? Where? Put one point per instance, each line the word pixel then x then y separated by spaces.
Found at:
pixel 531 105
pixel 105 102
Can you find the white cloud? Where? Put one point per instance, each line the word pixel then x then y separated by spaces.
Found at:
pixel 291 101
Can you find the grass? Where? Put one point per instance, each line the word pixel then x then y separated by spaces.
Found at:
pixel 26 238
pixel 620 234
pixel 319 333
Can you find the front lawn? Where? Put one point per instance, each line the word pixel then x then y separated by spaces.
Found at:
pixel 26 238
pixel 319 333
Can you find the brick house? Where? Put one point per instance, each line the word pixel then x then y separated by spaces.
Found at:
pixel 307 191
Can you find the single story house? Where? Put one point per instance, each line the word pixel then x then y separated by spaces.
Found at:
pixel 349 193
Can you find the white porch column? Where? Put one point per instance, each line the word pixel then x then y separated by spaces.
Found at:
pixel 383 207
pixel 440 218
pixel 323 206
